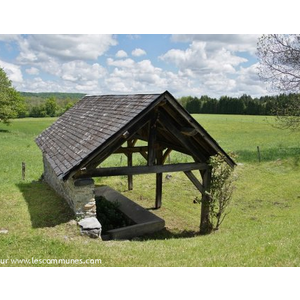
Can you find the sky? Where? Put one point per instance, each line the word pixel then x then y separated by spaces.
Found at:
pixel 183 64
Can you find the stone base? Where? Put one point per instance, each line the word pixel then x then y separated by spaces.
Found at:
pixel 90 227
pixel 78 193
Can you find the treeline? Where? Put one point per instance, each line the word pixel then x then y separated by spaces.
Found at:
pixel 244 105
pixel 38 105
pixel 55 104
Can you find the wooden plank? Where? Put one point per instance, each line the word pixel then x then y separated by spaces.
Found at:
pixel 136 170
pixel 195 181
pixel 159 176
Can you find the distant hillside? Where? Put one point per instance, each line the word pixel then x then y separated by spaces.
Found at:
pixel 71 96
pixel 48 104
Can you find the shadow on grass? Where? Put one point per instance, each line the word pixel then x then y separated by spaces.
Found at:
pixel 46 208
pixel 270 154
pixel 4 130
pixel 166 234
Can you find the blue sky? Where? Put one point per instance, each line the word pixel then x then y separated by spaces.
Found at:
pixel 205 64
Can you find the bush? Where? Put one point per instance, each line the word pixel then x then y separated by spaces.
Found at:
pixel 221 190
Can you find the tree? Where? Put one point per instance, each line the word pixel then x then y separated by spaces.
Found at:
pixel 11 102
pixel 51 107
pixel 279 65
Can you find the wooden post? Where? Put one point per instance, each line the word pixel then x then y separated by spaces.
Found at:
pixel 130 177
pixel 151 140
pixel 129 163
pixel 258 153
pixel 205 223
pixel 159 176
pixel 23 170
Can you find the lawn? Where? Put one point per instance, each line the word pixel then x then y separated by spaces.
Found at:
pixel 262 228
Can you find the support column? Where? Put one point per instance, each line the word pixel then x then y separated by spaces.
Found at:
pixel 129 164
pixel 159 176
pixel 205 223
pixel 152 140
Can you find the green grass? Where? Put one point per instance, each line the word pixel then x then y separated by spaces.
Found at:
pixel 262 228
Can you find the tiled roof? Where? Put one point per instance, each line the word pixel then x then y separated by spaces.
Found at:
pixel 86 126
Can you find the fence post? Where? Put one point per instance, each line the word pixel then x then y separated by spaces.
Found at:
pixel 258 154
pixel 23 170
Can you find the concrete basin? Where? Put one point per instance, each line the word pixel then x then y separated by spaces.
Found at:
pixel 145 221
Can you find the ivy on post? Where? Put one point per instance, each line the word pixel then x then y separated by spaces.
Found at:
pixel 218 189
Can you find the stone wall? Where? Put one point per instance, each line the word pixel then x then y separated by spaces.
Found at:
pixel 80 193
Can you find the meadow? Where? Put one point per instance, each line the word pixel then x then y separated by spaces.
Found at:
pixel 261 229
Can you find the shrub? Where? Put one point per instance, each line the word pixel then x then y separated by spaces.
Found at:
pixel 221 190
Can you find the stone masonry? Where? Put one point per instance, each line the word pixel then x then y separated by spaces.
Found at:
pixel 80 193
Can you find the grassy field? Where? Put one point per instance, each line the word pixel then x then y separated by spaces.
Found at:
pixel 262 228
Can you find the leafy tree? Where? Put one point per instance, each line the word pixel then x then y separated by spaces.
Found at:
pixel 51 107
pixel 11 102
pixel 38 111
pixel 279 58
pixel 193 105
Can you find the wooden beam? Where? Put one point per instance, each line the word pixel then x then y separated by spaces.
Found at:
pixel 159 176
pixel 144 154
pixel 195 181
pixel 136 170
pixel 170 125
pixel 205 135
pixel 102 153
pixel 129 164
pixel 152 139
pixel 188 131
pixel 166 154
pixel 126 150
pixel 166 144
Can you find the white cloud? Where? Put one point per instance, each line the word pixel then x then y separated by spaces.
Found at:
pixel 199 60
pixel 37 84
pixel 38 48
pixel 121 54
pixel 12 71
pixel 81 71
pixel 232 42
pixel 249 83
pixel 131 76
pixel 32 71
pixel 209 64
pixel 138 52
pixel 124 63
pixel 9 37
